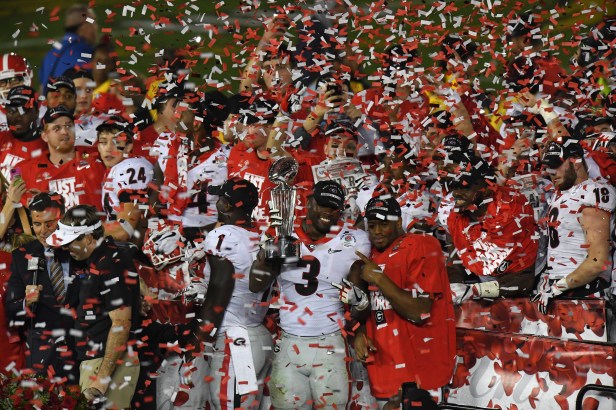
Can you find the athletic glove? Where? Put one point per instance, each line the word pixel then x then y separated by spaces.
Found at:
pixel 352 295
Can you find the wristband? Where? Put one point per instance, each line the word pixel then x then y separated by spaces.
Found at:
pixel 127 227
pixel 560 286
pixel 17 205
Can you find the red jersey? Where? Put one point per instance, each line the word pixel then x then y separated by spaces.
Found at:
pixel 504 240
pixel 244 163
pixel 607 165
pixel 144 140
pixel 13 151
pixel 79 181
pixel 406 352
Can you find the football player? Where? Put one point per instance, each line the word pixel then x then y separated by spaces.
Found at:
pixel 126 182
pixel 579 226
pixel 232 315
pixel 494 233
pixel 14 71
pixel 410 333
pixel 23 138
pixel 311 363
pixel 61 168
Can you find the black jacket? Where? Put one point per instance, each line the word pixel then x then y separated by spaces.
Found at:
pixel 49 327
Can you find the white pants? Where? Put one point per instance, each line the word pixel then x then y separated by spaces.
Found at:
pixel 172 374
pixel 309 371
pixel 223 385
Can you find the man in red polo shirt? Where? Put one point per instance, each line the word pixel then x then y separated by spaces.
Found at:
pixel 63 169
pixel 410 333
pixel 23 138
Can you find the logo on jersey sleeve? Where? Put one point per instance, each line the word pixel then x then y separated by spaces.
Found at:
pixel 348 240
pixel 66 188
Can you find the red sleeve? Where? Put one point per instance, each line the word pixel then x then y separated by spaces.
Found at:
pixel 426 264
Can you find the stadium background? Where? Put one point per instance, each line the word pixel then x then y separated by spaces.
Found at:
pixel 29 26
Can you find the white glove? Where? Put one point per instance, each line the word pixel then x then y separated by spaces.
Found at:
pixel 186 370
pixel 352 295
pixel 195 292
pixel 544 297
pixel 168 242
pixel 460 292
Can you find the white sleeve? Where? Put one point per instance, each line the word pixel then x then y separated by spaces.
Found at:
pixel 597 194
pixel 363 243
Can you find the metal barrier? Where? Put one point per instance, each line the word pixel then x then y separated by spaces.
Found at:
pixel 592 387
pixel 452 406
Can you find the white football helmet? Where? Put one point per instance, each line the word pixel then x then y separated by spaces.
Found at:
pixel 14 70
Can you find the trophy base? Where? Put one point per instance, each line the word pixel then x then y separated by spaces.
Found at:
pixel 281 248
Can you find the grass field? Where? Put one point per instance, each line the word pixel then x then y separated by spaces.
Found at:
pixel 142 28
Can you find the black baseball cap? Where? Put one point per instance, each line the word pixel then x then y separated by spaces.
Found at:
pixel 117 124
pixel 261 111
pixel 329 194
pixel 54 84
pixel 455 142
pixel 239 192
pixel 557 153
pixel 383 208
pixel 21 96
pixel 470 171
pixel 53 114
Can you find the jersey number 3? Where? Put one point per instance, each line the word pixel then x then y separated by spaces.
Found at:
pixel 310 276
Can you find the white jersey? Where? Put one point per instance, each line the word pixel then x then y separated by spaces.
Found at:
pixel 567 250
pixel 132 174
pixel 201 211
pixel 240 247
pixel 310 304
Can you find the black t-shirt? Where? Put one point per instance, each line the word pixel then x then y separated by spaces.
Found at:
pixel 109 282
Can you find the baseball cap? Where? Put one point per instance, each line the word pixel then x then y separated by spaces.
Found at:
pixel 261 111
pixel 454 142
pixel 21 96
pixel 121 125
pixel 239 192
pixel 471 170
pixel 53 114
pixel 557 153
pixel 329 194
pixel 66 234
pixel 383 208
pixel 54 84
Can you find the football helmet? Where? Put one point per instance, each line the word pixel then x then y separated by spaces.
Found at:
pixel 14 70
pixel 164 246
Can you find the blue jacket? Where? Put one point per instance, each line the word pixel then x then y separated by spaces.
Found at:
pixel 73 51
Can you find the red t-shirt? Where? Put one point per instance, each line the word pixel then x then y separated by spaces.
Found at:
pixel 79 181
pixel 13 151
pixel 406 352
pixel 144 140
pixel 504 240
